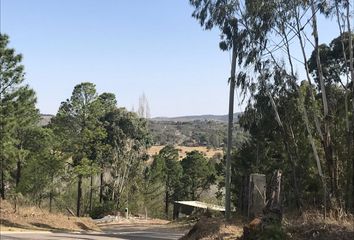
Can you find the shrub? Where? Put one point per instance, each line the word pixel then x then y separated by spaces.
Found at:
pixel 104 209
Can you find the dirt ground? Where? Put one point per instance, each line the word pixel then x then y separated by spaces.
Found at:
pixel 33 218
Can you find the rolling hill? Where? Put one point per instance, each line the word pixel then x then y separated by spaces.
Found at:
pixel 190 131
pixel 207 117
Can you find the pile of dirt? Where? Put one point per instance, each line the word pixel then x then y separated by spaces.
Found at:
pixel 34 218
pixel 214 228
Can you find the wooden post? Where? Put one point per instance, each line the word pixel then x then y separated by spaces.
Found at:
pixel 273 208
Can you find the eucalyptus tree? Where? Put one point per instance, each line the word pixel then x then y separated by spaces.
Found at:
pixel 335 66
pixel 289 20
pixel 128 138
pixel 351 68
pixel 286 19
pixel 225 15
pixel 343 8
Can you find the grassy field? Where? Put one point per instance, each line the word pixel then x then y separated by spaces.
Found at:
pixel 183 150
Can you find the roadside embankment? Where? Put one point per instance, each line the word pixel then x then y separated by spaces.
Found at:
pixel 33 218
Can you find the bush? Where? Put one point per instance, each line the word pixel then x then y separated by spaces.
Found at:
pixel 102 210
pixel 272 232
pixel 213 214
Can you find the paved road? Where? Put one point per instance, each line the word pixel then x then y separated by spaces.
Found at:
pixel 115 232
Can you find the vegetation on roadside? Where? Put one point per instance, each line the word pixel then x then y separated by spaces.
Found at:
pixel 91 157
pixel 29 217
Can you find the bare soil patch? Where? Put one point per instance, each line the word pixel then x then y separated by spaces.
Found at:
pixel 33 218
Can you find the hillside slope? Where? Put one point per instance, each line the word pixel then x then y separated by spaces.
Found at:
pixel 34 218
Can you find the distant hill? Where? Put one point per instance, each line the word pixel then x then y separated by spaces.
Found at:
pixel 209 117
pixel 190 131
pixel 45 118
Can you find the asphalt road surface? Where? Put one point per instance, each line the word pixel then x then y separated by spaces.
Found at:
pixel 115 232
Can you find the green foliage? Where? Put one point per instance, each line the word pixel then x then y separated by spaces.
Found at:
pixel 17 114
pixel 194 133
pixel 333 62
pixel 103 209
pixel 44 165
pixel 164 173
pixel 198 175
pixel 272 232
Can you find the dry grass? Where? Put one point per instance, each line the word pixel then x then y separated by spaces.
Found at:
pixel 311 225
pixel 33 218
pixel 183 150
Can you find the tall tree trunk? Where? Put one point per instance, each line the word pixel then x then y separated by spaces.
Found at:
pixel 290 157
pixel 285 134
pixel 351 68
pixel 101 186
pixel 51 194
pixel 18 173
pixel 50 200
pixel 318 162
pixel 2 183
pixel 91 192
pixel 316 120
pixel 346 99
pixel 166 203
pixel 229 135
pixel 328 146
pixel 79 194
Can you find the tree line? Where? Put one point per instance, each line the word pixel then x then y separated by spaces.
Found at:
pixel 89 137
pixel 90 157
pixel 193 133
pixel 167 179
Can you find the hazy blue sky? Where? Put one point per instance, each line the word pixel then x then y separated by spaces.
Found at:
pixel 124 47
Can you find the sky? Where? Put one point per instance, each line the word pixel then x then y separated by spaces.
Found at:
pixel 124 47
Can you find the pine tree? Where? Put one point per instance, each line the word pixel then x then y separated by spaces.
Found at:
pixel 17 112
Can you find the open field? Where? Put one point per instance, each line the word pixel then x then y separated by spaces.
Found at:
pixel 183 150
